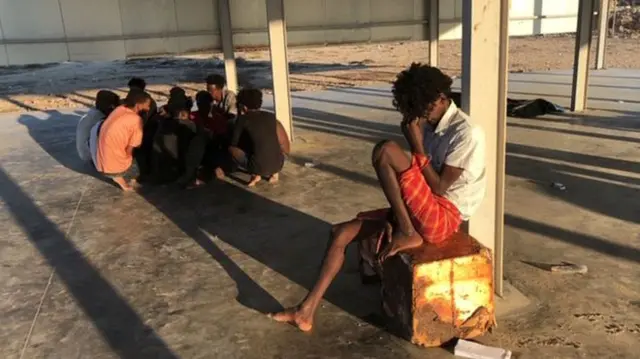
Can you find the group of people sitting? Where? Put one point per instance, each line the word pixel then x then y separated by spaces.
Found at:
pixel 173 144
pixel 430 192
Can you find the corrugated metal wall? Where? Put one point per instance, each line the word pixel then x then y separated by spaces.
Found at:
pixel 40 31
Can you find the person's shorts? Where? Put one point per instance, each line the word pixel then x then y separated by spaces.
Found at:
pixel 434 217
pixel 129 172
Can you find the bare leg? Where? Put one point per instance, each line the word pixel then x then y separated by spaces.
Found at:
pixel 274 178
pixel 122 183
pixel 389 161
pixel 254 180
pixel 219 173
pixel 341 235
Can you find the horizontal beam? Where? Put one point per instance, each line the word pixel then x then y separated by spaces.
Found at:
pixel 176 34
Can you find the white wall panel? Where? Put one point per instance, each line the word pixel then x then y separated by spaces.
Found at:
pixel 97 51
pixel 167 26
pixel 90 18
pixel 27 19
pixel 19 54
pixel 148 16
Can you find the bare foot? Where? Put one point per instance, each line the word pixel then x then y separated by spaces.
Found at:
pixel 254 181
pixel 195 184
pixel 274 178
pixel 219 172
pixel 122 183
pixel 399 242
pixel 294 316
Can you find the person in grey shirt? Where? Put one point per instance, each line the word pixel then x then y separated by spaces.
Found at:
pixel 223 98
pixel 105 102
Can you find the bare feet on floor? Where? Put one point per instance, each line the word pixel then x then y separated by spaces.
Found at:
pixel 400 242
pixel 195 184
pixel 122 183
pixel 219 172
pixel 294 316
pixel 254 181
pixel 274 178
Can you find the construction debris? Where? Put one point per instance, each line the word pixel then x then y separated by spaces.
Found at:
pixel 469 349
pixel 567 267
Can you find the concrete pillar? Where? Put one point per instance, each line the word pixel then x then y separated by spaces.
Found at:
pixel 279 64
pixel 484 78
pixel 581 59
pixel 603 32
pixel 434 31
pixel 226 37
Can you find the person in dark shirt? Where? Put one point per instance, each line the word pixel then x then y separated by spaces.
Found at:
pixel 172 138
pixel 267 143
pixel 209 145
pixel 141 84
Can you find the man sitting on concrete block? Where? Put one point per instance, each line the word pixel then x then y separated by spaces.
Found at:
pixel 430 193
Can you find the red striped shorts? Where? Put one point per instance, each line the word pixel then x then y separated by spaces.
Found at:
pixel 434 217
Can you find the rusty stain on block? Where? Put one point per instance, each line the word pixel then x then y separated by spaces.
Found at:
pixel 436 293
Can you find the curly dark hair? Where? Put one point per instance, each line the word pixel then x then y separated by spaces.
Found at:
pixel 418 87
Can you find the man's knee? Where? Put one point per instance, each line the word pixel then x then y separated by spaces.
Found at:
pixel 381 151
pixel 341 234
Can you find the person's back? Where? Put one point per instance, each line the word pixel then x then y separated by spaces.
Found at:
pixel 120 132
pixel 261 128
pixel 105 102
pixel 83 131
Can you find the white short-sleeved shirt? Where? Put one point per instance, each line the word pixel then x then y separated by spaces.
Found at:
pixel 457 143
pixel 83 131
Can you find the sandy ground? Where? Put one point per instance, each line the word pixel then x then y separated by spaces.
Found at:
pixel 74 84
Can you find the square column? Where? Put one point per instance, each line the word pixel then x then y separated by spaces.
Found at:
pixel 484 83
pixel 226 38
pixel 603 32
pixel 280 64
pixel 581 59
pixel 434 31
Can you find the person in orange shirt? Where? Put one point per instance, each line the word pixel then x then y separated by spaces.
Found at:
pixel 118 135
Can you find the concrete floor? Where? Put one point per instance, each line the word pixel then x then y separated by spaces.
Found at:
pixel 88 272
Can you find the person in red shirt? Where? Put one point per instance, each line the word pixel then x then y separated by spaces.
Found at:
pixel 210 143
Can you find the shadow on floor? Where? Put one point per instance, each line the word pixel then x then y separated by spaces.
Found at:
pixel 46 132
pixel 121 327
pixel 282 238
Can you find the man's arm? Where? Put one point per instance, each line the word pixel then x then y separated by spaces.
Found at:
pixel 439 183
pixel 283 139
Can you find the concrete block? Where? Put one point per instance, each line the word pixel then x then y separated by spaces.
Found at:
pixel 194 15
pixel 29 19
pixel 154 46
pixel 36 53
pixel 97 51
pixel 198 43
pixel 433 294
pixel 148 16
pixel 391 10
pixel 88 18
